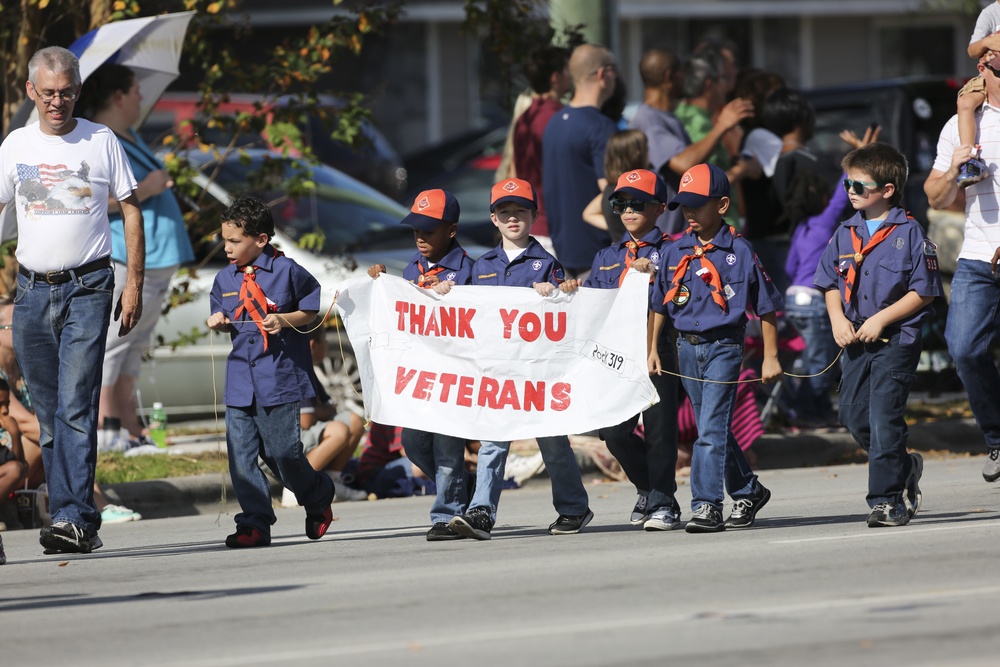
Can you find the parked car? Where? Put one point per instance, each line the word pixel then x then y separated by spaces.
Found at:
pixel 377 163
pixel 361 228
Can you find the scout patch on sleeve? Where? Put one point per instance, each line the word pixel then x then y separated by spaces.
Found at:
pixel 559 275
pixel 763 271
pixel 930 249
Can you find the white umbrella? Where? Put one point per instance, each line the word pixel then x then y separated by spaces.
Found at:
pixel 150 46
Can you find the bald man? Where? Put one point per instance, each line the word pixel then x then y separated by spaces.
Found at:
pixel 671 151
pixel 573 159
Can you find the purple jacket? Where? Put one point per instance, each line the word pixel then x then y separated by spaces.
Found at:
pixel 810 238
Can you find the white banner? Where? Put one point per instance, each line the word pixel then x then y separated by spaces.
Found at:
pixel 499 363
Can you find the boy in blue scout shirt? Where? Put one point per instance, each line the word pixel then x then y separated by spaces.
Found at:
pixel 880 275
pixel 519 261
pixel 434 218
pixel 260 299
pixel 708 278
pixel 650 462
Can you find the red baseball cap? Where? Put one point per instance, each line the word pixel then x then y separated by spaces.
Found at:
pixel 513 189
pixel 642 184
pixel 699 184
pixel 431 208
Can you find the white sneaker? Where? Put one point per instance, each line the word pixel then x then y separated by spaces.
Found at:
pixel 522 468
pixel 662 519
pixel 347 494
pixel 288 498
pixel 118 514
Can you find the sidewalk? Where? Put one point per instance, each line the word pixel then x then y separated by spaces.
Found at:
pixel 210 494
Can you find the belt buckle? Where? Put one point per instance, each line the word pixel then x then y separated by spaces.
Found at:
pixel 52 276
pixel 692 339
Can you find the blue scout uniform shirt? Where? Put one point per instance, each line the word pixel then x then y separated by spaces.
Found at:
pixel 280 375
pixel 745 285
pixel 457 266
pixel 534 265
pixel 905 261
pixel 610 262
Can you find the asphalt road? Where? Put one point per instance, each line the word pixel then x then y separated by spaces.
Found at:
pixel 811 584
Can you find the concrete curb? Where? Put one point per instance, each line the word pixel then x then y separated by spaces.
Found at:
pixel 203 494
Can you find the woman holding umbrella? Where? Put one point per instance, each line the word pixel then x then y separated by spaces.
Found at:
pixel 111 97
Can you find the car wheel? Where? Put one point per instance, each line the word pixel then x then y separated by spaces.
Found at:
pixel 341 378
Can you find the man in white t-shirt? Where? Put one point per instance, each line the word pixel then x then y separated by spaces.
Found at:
pixel 59 173
pixel 974 312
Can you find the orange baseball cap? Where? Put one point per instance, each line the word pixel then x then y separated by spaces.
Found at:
pixel 642 184
pixel 513 189
pixel 699 184
pixel 431 208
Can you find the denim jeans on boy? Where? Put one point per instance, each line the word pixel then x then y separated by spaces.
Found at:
pixel 569 496
pixel 973 324
pixel 806 309
pixel 650 462
pixel 873 392
pixel 442 456
pixel 273 434
pixel 718 465
pixel 59 337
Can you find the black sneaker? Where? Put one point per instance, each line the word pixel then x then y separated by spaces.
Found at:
pixel 247 537
pixel 991 470
pixel 745 509
pixel 706 519
pixel 888 514
pixel 65 537
pixel 475 523
pixel 568 525
pixel 913 497
pixel 441 531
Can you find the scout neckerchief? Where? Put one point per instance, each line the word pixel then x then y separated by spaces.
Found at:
pixel 427 273
pixel 252 299
pixel 859 256
pixel 714 280
pixel 631 255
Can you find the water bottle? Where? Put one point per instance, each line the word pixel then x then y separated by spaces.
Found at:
pixel 158 425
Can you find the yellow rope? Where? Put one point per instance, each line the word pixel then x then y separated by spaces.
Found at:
pixel 792 375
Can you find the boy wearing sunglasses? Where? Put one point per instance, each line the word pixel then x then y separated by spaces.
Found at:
pixel 649 461
pixel 707 281
pixel 880 275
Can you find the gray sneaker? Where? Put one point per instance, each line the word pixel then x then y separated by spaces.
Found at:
pixel 991 469
pixel 662 519
pixel 888 514
pixel 639 513
pixel 913 498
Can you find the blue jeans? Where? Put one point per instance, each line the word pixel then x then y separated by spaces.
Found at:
pixel 651 462
pixel 569 496
pixel 973 324
pixel 718 465
pixel 812 397
pixel 442 456
pixel 876 383
pixel 59 336
pixel 272 433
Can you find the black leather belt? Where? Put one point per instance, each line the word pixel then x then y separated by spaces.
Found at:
pixel 60 277
pixel 711 336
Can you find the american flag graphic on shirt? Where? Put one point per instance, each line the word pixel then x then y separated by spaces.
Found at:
pixel 48 174
pixel 54 189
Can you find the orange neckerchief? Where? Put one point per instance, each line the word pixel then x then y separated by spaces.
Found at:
pixel 631 254
pixel 252 301
pixel 859 256
pixel 714 280
pixel 427 273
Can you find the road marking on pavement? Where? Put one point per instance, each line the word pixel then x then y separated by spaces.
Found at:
pixel 886 532
pixel 596 627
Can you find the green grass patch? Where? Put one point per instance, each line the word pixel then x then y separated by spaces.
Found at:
pixel 117 468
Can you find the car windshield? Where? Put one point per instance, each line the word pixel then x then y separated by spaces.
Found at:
pixel 351 216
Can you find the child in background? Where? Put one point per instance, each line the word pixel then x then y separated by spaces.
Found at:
pixel 520 261
pixel 434 218
pixel 267 374
pixel 639 198
pixel 13 467
pixel 708 279
pixel 973 94
pixel 626 150
pixel 880 275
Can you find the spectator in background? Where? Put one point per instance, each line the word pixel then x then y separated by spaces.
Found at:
pixel 573 159
pixel 548 75
pixel 111 97
pixel 705 83
pixel 760 208
pixel 671 150
pixel 626 150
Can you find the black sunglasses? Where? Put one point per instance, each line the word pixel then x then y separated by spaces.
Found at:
pixel 618 206
pixel 995 71
pixel 859 186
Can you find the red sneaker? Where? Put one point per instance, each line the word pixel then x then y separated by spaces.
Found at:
pixel 246 537
pixel 318 524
